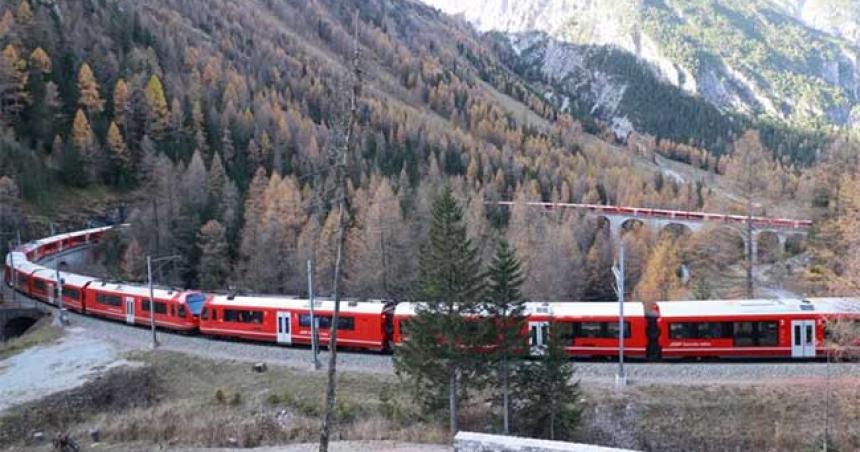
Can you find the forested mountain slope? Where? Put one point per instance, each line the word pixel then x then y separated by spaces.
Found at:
pixel 776 65
pixel 219 121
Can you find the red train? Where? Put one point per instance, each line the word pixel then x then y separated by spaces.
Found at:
pixel 686 329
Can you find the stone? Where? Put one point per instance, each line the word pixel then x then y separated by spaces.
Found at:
pixel 95 434
pixel 38 436
pixel 260 367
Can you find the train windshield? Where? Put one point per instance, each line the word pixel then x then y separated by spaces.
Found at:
pixel 195 302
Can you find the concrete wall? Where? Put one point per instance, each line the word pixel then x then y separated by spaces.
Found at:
pixel 482 442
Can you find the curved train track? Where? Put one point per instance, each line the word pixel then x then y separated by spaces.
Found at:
pixel 682 372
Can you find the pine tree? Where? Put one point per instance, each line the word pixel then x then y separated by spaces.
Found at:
pixel 438 354
pixel 88 88
pixel 214 262
pixel 156 109
pixel 547 404
pixel 505 304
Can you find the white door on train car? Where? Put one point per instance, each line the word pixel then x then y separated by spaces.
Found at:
pixel 538 336
pixel 284 335
pixel 129 310
pixel 803 338
pixel 52 291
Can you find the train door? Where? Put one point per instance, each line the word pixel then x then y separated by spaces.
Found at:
pixel 52 291
pixel 538 336
pixel 803 338
pixel 129 310
pixel 284 336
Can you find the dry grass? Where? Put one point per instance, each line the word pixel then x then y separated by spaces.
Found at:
pixel 42 332
pixel 767 417
pixel 205 403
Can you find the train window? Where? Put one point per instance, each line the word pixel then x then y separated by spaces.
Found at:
pixel 204 315
pixel 768 333
pixel 233 315
pixel 565 331
pixel 744 333
pixel 612 330
pixel 181 311
pixel 71 293
pixel 678 330
pixel 195 302
pixel 590 330
pixel 39 285
pixel 109 300
pixel 160 308
pixel 324 322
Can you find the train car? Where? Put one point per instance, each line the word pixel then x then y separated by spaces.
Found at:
pixel 174 310
pixel 587 329
pixel 759 328
pixel 286 320
pixel 74 290
pixel 43 285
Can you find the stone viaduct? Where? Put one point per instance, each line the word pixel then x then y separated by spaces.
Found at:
pixel 660 219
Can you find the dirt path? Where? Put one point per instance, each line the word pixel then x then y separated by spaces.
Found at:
pixel 47 369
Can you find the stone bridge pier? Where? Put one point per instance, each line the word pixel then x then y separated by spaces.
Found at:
pixel 657 225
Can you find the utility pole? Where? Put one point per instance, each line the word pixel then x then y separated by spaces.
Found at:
pixel 149 261
pixel 62 315
pixel 618 272
pixel 314 337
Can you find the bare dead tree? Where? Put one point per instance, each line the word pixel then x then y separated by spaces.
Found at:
pixel 339 159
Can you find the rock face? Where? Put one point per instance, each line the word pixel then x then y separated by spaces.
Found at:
pixel 791 60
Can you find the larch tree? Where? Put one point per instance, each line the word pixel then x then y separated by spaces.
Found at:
pixel 660 280
pixel 40 60
pixel 85 143
pixel 157 113
pixel 505 304
pixel 438 356
pixel 89 97
pixel 13 84
pixel 119 155
pixel 750 168
pixel 121 103
pixel 214 266
pixel 133 263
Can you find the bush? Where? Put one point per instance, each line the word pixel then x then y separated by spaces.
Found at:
pixel 236 399
pixel 220 397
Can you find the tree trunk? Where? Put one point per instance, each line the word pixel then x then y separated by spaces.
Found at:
pixel 506 397
pixel 452 398
pixel 331 390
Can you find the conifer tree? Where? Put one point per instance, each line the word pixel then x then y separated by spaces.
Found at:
pixel 121 104
pixel 13 83
pixel 119 154
pixel 41 61
pixel 547 403
pixel 88 88
pixel 438 354
pixel 85 143
pixel 660 280
pixel 214 262
pixel 505 304
pixel 156 109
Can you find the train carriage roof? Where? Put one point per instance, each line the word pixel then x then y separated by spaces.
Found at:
pixel 135 290
pixel 558 309
pixel 714 308
pixel 288 302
